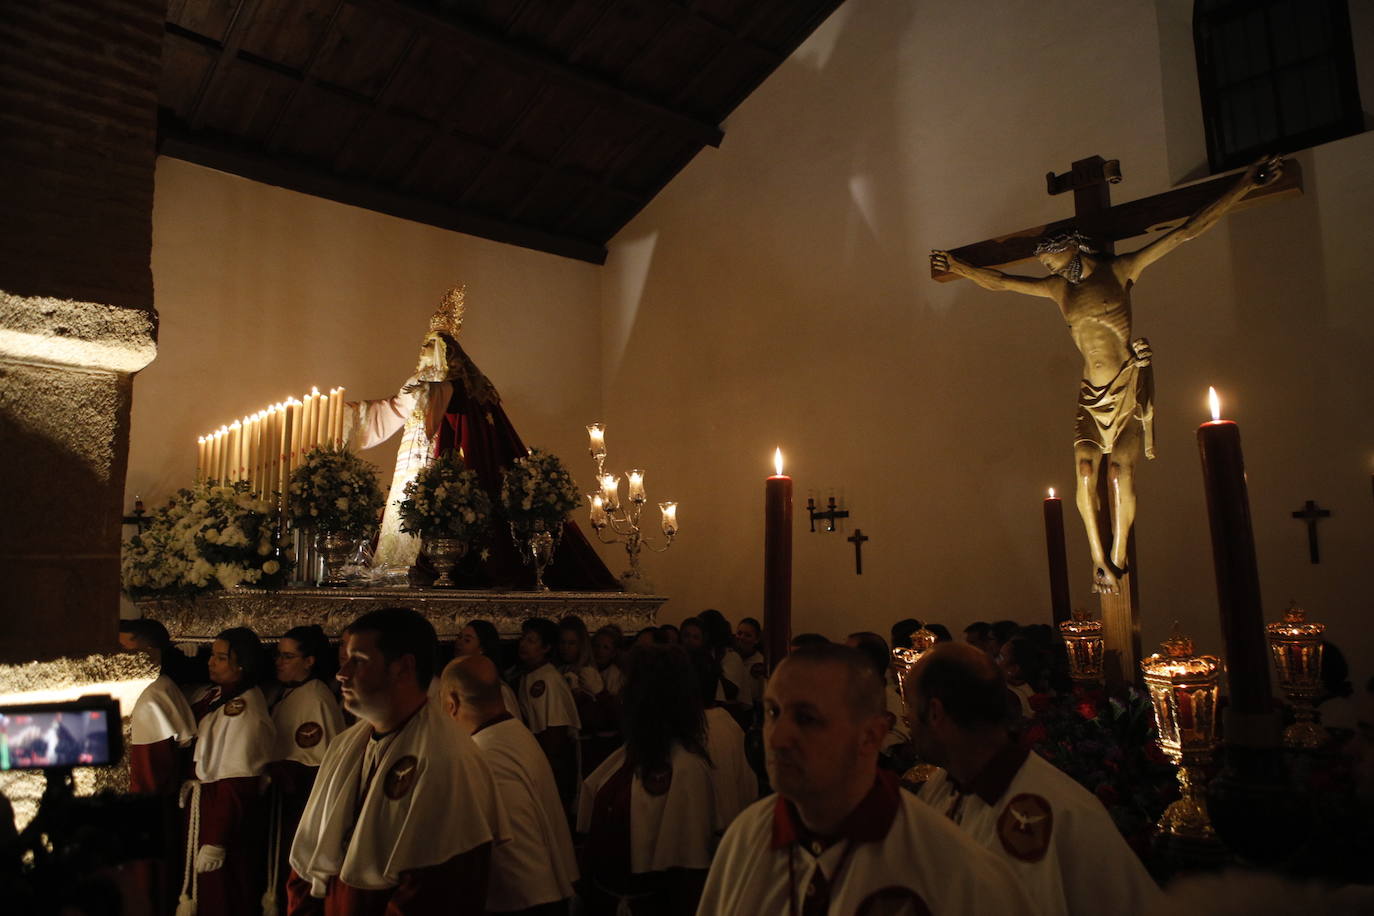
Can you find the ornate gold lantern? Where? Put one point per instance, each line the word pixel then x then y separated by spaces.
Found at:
pixel 1297 648
pixel 1083 640
pixel 1183 690
pixel 903 660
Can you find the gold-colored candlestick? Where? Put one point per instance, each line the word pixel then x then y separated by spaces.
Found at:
pixel 1183 691
pixel 1083 640
pixel 1297 649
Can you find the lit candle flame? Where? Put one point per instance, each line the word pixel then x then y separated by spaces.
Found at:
pixel 777 461
pixel 1214 401
pixel 1051 492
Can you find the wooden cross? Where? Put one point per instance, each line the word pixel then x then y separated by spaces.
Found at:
pixel 1094 216
pixel 1312 513
pixel 857 539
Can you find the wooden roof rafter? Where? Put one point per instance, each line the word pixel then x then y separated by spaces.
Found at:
pixel 528 59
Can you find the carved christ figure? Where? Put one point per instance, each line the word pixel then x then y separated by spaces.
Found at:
pixel 1115 400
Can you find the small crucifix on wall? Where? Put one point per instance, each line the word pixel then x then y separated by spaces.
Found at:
pixel 857 539
pixel 1311 513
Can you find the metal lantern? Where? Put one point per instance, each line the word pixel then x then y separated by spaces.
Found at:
pixel 1083 640
pixel 1183 690
pixel 1297 648
pixel 904 659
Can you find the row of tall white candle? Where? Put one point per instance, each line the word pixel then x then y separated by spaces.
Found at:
pixel 266 446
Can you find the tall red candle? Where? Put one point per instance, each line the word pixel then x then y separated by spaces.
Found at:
pixel 777 563
pixel 1058 560
pixel 1233 556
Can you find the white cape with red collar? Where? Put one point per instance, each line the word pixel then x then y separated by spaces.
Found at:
pixel 432 798
pixel 161 712
pixel 307 720
pixel 671 830
pixel 235 739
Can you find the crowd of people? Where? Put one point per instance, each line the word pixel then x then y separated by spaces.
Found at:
pixel 606 773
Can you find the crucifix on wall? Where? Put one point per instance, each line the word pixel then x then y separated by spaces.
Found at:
pixel 1311 513
pixel 1091 285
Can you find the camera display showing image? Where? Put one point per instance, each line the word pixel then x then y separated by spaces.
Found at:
pixel 58 735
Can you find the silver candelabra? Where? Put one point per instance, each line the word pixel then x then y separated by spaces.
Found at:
pixel 618 523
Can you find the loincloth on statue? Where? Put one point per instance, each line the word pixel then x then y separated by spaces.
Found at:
pixel 1104 411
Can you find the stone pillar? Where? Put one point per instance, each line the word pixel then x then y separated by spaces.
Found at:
pixel 78 136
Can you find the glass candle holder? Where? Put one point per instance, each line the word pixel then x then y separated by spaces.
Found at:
pixel 1297 649
pixel 1183 691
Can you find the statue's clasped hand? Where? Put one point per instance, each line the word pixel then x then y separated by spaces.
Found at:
pixel 1141 348
pixel 939 260
pixel 1266 171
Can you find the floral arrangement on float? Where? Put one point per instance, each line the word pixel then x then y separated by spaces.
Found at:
pixel 335 494
pixel 447 507
pixel 537 493
pixel 1109 745
pixel 212 536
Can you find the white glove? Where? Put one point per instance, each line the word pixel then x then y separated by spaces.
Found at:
pixel 209 858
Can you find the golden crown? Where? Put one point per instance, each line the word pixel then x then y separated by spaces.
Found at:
pixel 448 318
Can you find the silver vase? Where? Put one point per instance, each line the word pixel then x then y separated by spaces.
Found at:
pixel 336 550
pixel 445 554
pixel 537 547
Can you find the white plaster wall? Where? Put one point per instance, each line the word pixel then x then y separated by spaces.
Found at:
pixel 777 293
pixel 263 292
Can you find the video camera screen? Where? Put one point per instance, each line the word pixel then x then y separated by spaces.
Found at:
pixel 84 732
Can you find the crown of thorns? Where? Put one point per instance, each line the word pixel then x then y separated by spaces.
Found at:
pixel 1063 241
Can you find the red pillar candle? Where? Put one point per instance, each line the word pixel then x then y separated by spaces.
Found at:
pixel 1059 564
pixel 1233 556
pixel 777 563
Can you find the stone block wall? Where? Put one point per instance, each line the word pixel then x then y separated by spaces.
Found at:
pixel 78 134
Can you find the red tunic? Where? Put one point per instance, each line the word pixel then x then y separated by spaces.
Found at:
pixel 232 816
pixel 458 887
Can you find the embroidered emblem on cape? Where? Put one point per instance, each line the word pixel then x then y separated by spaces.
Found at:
pixel 893 901
pixel 400 777
pixel 235 707
pixel 537 689
pixel 658 782
pixel 309 734
pixel 1024 827
pixel 758 670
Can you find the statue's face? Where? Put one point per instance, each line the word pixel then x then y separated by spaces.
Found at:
pixel 433 365
pixel 1056 262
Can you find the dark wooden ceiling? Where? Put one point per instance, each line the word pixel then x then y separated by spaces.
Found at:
pixel 543 123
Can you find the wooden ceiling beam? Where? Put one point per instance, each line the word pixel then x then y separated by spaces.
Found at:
pixel 380 105
pixel 435 128
pixel 522 58
pixel 234 34
pixel 277 132
pixel 178 143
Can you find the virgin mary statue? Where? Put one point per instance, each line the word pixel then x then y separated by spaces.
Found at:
pixel 448 404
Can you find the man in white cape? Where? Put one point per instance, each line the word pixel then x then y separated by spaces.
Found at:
pixel 404 813
pixel 841 837
pixel 533 874
pixel 1054 834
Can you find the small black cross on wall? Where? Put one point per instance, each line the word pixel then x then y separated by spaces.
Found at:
pixel 1312 514
pixel 857 539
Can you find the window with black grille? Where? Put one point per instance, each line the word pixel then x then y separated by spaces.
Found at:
pixel 1276 76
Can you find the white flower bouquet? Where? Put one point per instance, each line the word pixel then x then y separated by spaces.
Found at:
pixel 538 488
pixel 335 492
pixel 445 500
pixel 211 536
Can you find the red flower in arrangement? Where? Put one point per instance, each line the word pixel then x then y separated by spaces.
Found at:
pixel 1087 709
pixel 1035 734
pixel 1039 702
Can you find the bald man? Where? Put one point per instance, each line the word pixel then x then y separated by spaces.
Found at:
pixel 840 837
pixel 1057 837
pixel 535 871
